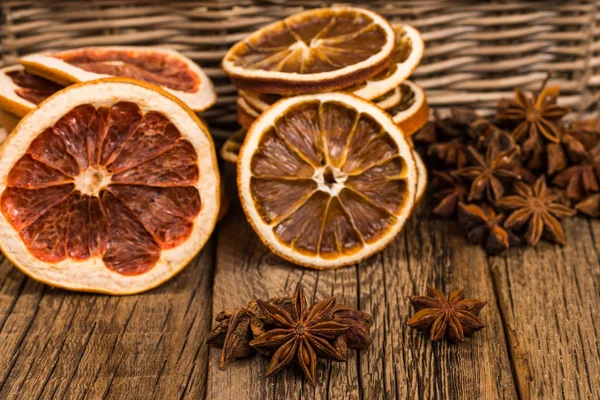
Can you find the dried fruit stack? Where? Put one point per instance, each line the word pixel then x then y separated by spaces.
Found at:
pixel 24 86
pixel 512 178
pixel 111 184
pixel 325 176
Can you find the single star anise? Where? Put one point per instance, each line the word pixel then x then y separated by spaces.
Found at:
pixel 581 179
pixel 302 334
pixel 590 206
pixel 455 317
pixel 488 174
pixel 484 227
pixel 449 191
pixel 539 207
pixel 531 116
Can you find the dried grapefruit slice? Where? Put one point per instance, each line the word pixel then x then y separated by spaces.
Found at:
pixel 407 55
pixel 313 51
pixel 326 180
pixel 108 186
pixel 169 69
pixel 413 111
pixel 21 91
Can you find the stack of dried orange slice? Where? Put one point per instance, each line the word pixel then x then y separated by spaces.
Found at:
pixel 326 177
pixel 24 86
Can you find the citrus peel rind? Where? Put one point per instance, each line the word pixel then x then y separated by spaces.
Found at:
pixel 412 112
pixel 406 56
pixel 230 150
pixel 326 180
pixel 422 177
pixel 312 51
pixel 176 73
pixel 86 270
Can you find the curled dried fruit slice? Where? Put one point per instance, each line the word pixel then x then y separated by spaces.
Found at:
pixel 326 180
pixel 389 99
pixel 230 150
pixel 246 114
pixel 412 112
pixel 407 55
pixel 21 91
pixel 166 68
pixel 313 51
pixel 108 186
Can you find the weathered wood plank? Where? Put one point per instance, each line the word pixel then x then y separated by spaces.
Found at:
pixel 401 363
pixel 549 297
pixel 55 343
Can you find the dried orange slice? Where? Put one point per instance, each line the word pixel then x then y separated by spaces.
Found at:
pixel 326 180
pixel 422 176
pixel 230 150
pixel 407 55
pixel 390 99
pixel 109 186
pixel 21 92
pixel 312 51
pixel 169 69
pixel 413 111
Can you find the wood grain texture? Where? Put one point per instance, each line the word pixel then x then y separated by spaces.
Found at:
pixel 549 298
pixel 55 343
pixel 401 363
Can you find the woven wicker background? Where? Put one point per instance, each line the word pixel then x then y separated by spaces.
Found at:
pixel 476 52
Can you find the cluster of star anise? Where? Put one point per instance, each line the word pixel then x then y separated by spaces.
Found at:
pixel 286 329
pixel 513 177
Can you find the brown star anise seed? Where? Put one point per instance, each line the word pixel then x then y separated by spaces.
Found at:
pixel 581 179
pixel 586 132
pixel 484 227
pixel 427 134
pixel 448 191
pixel 539 207
pixel 590 206
pixel 455 317
pixel 451 153
pixel 532 115
pixel 487 175
pixel 302 334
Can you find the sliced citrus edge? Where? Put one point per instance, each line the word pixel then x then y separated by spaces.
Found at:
pixel 92 271
pixel 9 100
pixel 414 117
pixel 287 83
pixel 230 150
pixel 59 71
pixel 389 99
pixel 376 88
pixel 244 174
pixel 246 115
pixel 422 177
pixel 8 122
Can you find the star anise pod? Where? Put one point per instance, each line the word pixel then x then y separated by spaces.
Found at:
pixel 590 206
pixel 484 227
pixel 488 173
pixel 582 179
pixel 302 334
pixel 539 207
pixel 532 116
pixel 452 153
pixel 455 317
pixel 449 191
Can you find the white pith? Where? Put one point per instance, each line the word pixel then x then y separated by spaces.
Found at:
pixel 391 101
pixel 374 89
pixel 332 188
pixel 417 103
pixel 92 181
pixel 384 52
pixel 266 232
pixel 8 87
pixel 203 98
pixel 243 104
pixel 91 274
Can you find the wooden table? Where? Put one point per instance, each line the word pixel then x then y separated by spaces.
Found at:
pixel 541 341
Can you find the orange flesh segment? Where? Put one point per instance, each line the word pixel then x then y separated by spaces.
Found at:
pixel 314 44
pixel 152 67
pixel 147 206
pixel 31 87
pixel 327 179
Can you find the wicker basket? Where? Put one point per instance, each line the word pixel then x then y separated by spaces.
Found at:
pixel 476 52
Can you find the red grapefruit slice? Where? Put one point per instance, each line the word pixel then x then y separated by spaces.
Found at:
pixel 169 69
pixel 109 186
pixel 21 91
